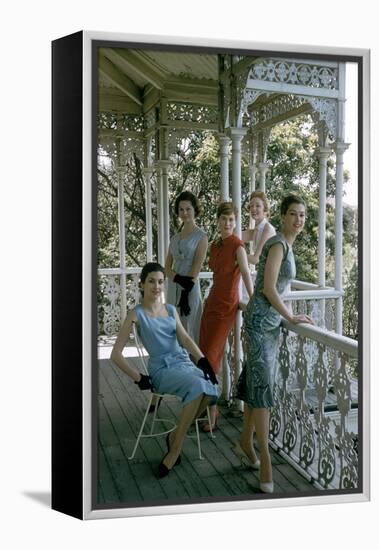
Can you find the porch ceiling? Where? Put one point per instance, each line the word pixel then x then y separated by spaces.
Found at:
pixel 133 81
pixel 130 80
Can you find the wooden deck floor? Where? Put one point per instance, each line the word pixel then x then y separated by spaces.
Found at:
pixel 219 476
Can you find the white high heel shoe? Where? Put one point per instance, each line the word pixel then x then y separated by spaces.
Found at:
pixel 267 487
pixel 245 460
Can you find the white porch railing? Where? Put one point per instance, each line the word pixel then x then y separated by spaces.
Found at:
pixel 315 419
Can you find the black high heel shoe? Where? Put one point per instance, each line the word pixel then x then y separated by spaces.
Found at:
pixel 179 459
pixel 156 406
pixel 163 471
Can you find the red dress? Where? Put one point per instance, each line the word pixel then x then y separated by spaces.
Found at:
pixel 222 303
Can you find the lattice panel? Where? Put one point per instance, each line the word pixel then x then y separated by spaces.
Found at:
pixel 188 112
pixel 303 74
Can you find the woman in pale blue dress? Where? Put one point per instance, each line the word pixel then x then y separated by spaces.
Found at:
pixel 170 367
pixel 262 325
pixel 184 260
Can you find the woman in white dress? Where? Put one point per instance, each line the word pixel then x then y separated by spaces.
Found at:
pixel 259 212
pixel 184 260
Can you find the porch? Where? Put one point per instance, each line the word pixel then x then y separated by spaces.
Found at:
pixel 314 424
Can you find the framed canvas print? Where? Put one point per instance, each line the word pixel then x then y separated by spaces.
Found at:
pixel 210 275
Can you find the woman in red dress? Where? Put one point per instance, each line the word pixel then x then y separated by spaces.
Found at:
pixel 228 261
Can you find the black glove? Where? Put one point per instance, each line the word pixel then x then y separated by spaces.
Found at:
pixel 144 383
pixel 184 281
pixel 205 366
pixel 183 304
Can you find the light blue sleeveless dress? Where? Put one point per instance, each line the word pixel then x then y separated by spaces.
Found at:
pixel 183 253
pixel 262 327
pixel 169 365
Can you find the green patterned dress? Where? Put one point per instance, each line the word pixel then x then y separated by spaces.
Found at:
pixel 262 326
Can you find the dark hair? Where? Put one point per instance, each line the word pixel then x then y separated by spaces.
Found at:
pixel 288 200
pixel 226 208
pixel 150 267
pixel 190 197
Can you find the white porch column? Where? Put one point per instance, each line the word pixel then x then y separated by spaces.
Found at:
pixel 339 147
pixel 323 154
pixel 160 215
pixel 164 166
pixel 163 204
pixel 263 169
pixel 252 177
pixel 148 171
pixel 149 218
pixel 121 231
pixel 237 135
pixel 224 166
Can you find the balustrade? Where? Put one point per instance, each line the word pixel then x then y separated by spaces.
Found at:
pixel 314 422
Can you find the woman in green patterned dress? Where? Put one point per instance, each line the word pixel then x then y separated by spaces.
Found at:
pixel 262 325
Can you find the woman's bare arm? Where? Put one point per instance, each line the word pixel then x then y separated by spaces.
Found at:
pixel 271 274
pixel 244 268
pixel 266 234
pixel 199 258
pixel 247 235
pixel 186 341
pixel 168 266
pixel 122 339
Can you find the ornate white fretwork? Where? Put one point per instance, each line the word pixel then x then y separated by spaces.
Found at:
pixel 277 107
pixel 291 72
pixel 188 112
pixel 111 313
pixel 121 136
pixel 121 122
pixel 249 97
pixel 309 421
pixel 327 110
pixel 150 118
pixel 128 147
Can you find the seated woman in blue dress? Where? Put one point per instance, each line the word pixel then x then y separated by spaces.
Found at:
pixel 170 368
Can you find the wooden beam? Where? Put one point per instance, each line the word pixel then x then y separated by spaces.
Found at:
pixel 132 64
pixel 150 99
pixel 192 90
pixel 296 89
pixel 200 83
pixel 110 102
pixel 191 94
pixel 302 110
pixel 122 82
pixel 111 133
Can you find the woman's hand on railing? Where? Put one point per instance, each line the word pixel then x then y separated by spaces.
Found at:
pixel 301 318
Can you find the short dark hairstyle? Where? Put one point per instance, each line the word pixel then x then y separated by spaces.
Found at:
pixel 226 208
pixel 190 197
pixel 288 200
pixel 150 267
